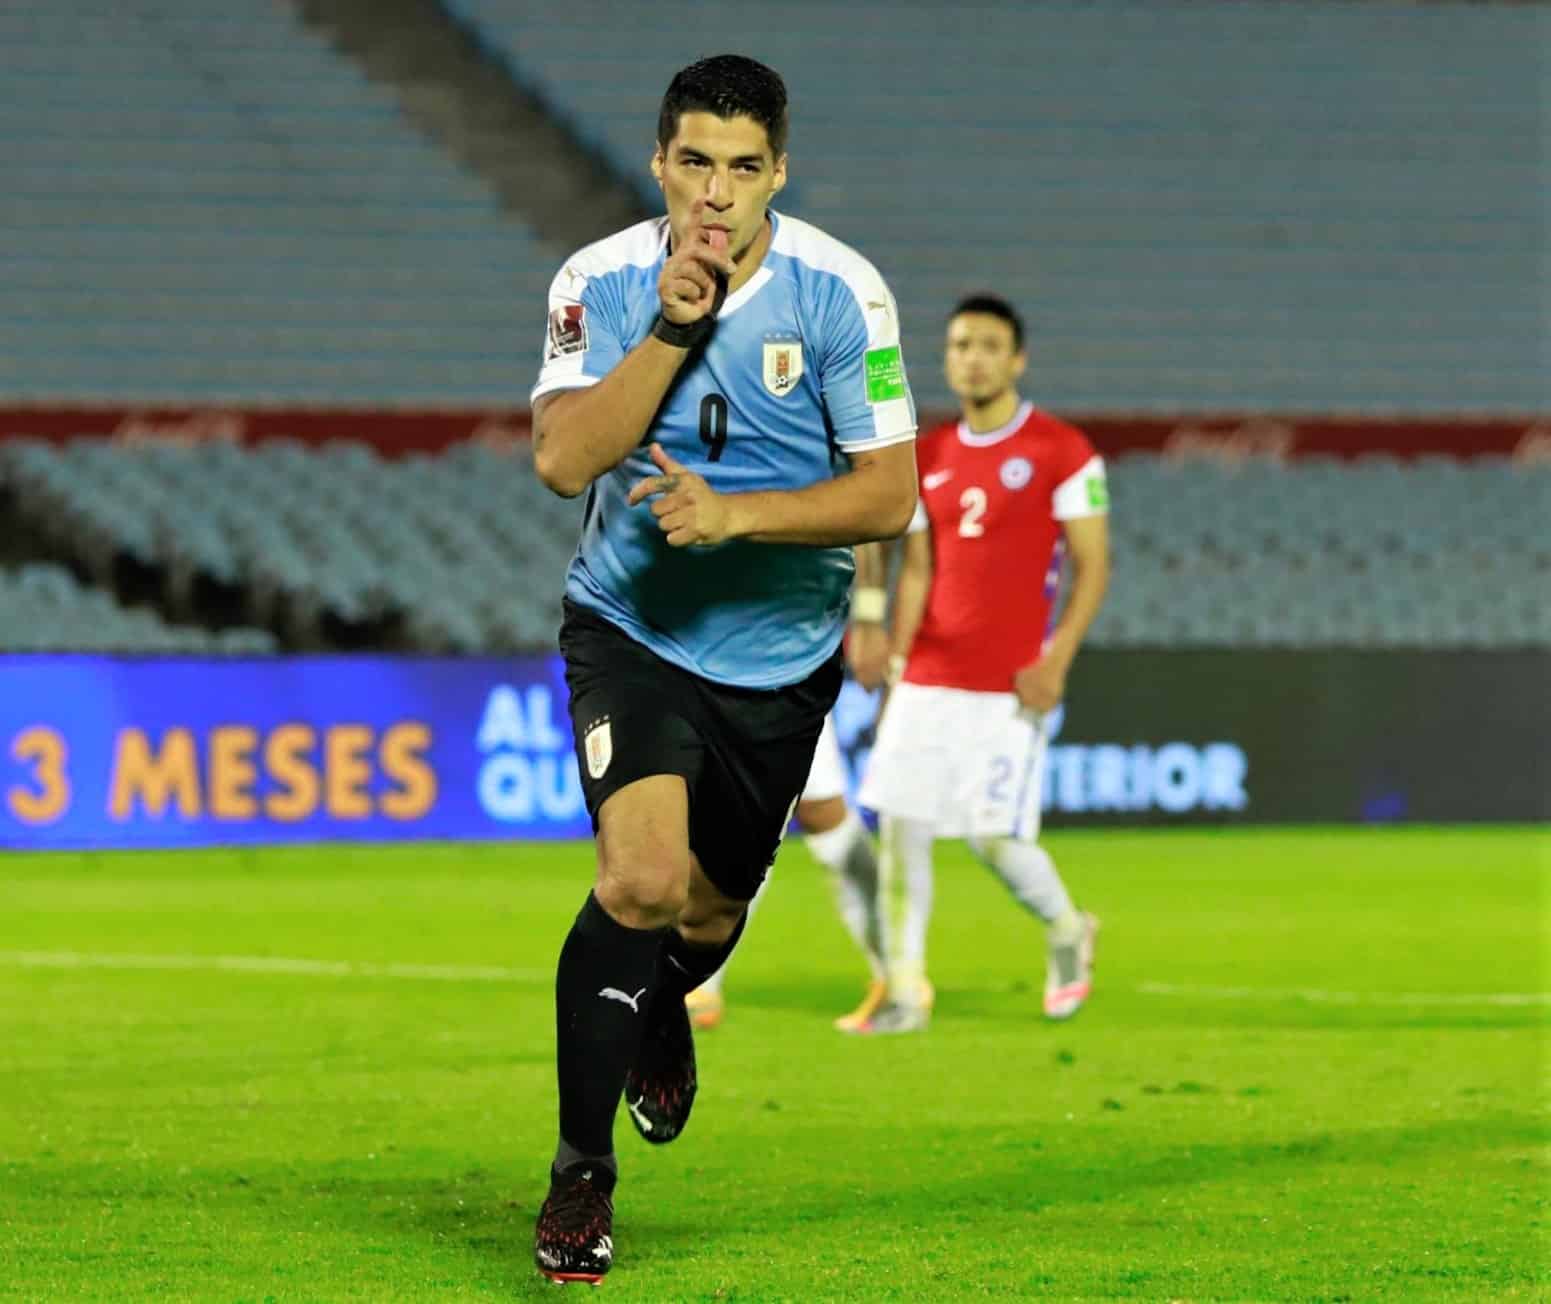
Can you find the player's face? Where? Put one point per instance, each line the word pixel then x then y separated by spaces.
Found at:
pixel 981 362
pixel 728 163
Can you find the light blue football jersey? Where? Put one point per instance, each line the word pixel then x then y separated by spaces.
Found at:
pixel 802 367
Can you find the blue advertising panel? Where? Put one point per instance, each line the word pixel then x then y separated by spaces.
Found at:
pixel 107 752
pixel 97 751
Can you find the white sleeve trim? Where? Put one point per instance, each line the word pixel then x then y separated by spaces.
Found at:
pixel 918 519
pixel 557 383
pixel 1075 497
pixel 879 441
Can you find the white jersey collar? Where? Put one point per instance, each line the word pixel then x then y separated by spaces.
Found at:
pixel 985 438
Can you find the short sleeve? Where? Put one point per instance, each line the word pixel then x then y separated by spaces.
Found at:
pixel 862 372
pixel 583 338
pixel 1083 493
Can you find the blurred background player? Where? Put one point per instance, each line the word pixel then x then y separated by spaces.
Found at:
pixel 832 830
pixel 1007 493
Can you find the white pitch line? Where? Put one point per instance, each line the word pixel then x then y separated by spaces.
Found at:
pixel 275 964
pixel 493 973
pixel 1321 997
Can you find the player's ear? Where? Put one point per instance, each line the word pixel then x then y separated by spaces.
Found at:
pixel 657 162
pixel 778 176
pixel 1020 364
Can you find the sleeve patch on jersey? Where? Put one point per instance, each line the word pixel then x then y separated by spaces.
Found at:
pixel 567 330
pixel 885 374
pixel 1098 493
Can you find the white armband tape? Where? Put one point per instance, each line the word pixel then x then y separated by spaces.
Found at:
pixel 869 605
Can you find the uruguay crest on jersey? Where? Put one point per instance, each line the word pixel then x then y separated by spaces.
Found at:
pixel 783 366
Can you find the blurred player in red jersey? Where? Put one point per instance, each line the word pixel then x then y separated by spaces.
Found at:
pixel 1008 493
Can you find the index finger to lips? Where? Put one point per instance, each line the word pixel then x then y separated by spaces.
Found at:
pixel 714 251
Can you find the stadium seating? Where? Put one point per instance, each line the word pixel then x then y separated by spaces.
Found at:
pixel 1438 553
pixel 205 203
pixel 43 608
pixel 1258 206
pixel 331 546
pixel 464 551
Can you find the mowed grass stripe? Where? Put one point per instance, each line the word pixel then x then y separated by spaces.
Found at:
pixel 193 1134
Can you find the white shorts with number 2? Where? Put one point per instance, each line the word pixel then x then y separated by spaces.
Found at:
pixel 970 764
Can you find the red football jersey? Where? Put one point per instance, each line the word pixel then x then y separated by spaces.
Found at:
pixel 995 502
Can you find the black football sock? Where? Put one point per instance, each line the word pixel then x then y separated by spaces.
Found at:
pixel 686 965
pixel 568 1156
pixel 603 987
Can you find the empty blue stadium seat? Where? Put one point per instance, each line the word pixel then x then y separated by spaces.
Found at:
pixel 209 204
pixel 469 551
pixel 1251 206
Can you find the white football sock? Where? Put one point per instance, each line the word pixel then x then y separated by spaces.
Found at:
pixel 847 852
pixel 1030 875
pixel 905 895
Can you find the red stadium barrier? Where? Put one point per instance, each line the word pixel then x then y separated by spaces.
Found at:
pixel 392 432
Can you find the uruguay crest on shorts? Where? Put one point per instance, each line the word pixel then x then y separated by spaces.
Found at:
pixel 598 743
pixel 783 366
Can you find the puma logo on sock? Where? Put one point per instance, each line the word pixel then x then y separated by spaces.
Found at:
pixel 614 994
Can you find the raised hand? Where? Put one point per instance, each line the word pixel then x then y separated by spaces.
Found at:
pixel 694 279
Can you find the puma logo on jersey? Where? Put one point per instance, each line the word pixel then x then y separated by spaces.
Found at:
pixel 936 478
pixel 877 305
pixel 637 1113
pixel 614 994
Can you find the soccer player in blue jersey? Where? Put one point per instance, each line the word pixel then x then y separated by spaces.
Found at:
pixel 725 386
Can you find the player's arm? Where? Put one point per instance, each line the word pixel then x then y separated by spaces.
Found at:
pixel 1042 685
pixel 581 433
pixel 578 434
pixel 910 594
pixel 1087 548
pixel 873 500
pixel 867 647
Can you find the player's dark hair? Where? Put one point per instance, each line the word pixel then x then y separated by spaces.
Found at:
pixel 730 86
pixel 993 306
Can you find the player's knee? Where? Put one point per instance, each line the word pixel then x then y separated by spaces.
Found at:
pixel 647 892
pixel 822 815
pixel 710 925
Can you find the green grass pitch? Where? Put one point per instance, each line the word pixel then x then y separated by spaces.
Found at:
pixel 1313 1069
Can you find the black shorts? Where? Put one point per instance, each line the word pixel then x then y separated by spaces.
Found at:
pixel 744 752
